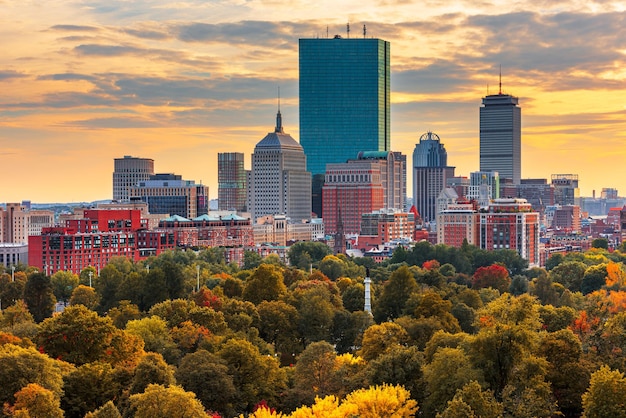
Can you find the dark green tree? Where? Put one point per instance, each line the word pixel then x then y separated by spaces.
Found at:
pixel 206 375
pixel 395 294
pixel 39 296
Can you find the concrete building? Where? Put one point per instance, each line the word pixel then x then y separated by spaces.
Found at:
pixel 127 172
pixel 12 254
pixel 232 180
pixel 344 99
pixel 430 174
pixel 210 231
pixel 278 230
pixel 170 194
pixel 500 136
pixel 278 182
pixel 511 224
pixel 384 226
pixel 566 191
pixel 458 222
pixel 484 187
pixel 18 222
pixel 359 186
pixel 537 192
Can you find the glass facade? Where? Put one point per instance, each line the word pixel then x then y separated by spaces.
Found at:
pixel 344 99
pixel 500 136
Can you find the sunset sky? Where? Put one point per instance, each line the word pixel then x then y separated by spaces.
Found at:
pixel 83 82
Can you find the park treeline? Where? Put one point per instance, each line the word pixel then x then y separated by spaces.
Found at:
pixel 453 332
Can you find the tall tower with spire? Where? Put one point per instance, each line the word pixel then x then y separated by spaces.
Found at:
pixel 279 183
pixel 500 135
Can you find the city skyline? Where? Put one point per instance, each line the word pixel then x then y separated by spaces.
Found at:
pixel 85 82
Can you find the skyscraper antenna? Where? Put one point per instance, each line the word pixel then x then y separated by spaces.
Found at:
pixel 348 29
pixel 279 98
pixel 326 31
pixel 364 31
pixel 500 89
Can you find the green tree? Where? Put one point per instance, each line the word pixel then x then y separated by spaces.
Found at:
pixel 606 396
pixel 89 387
pixel 254 377
pixel 125 312
pixel 39 297
pixel 206 375
pixel 156 336
pixel 395 294
pixel 278 325
pixel 152 369
pixel 401 366
pixel 266 283
pixel 594 278
pixel 303 254
pixel 63 284
pixel 17 320
pixel 570 274
pixel 166 402
pixel 472 401
pixel 314 374
pixel 449 371
pixel 251 260
pixel 508 331
pixel 600 243
pixel 36 401
pixel 333 267
pixel 108 410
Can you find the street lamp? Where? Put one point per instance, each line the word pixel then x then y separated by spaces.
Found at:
pixel 90 274
pixel 12 273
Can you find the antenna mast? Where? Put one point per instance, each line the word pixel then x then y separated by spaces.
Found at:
pixel 348 29
pixel 364 31
pixel 500 92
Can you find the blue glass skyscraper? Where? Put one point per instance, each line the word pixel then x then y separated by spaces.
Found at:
pixel 344 99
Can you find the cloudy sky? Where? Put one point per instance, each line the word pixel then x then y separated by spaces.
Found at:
pixel 85 81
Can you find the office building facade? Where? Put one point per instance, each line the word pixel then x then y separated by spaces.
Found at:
pixel 344 99
pixel 127 172
pixel 500 136
pixel 170 194
pixel 566 190
pixel 231 182
pixel 278 182
pixel 484 187
pixel 430 174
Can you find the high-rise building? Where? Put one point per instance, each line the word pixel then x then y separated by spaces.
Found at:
pixel 231 182
pixel 278 183
pixel 566 190
pixel 430 174
pixel 344 99
pixel 169 193
pixel 127 172
pixel 500 136
pixel 374 180
pixel 484 186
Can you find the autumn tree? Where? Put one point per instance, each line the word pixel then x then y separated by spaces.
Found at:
pixel 594 278
pixel 570 274
pixel 80 336
pixel 108 410
pixel 84 295
pixel 166 402
pixel 278 325
pixel 378 339
pixel 606 396
pixel 495 276
pixel 156 336
pixel 266 283
pixel 36 401
pixel 303 254
pixel 20 366
pixel 89 387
